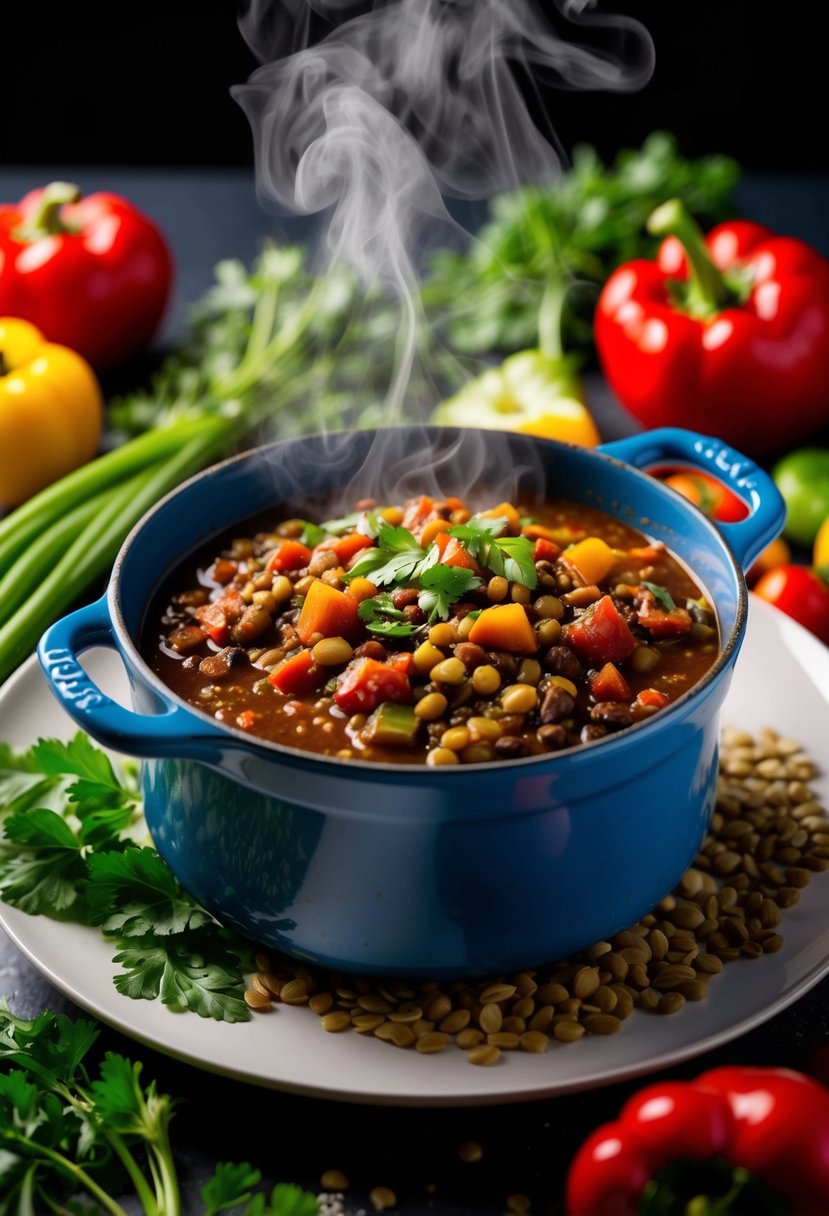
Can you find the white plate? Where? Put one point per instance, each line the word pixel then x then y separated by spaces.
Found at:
pixel 782 680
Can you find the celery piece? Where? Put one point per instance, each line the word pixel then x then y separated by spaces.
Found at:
pixel 393 725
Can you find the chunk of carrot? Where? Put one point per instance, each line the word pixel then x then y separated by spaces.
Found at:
pixel 504 510
pixel 345 547
pixel 504 627
pixel 592 558
pixel 298 674
pixel 329 612
pixel 452 553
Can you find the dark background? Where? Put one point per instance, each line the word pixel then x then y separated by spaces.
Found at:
pixel 149 85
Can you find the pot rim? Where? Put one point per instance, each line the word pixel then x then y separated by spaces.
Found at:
pixel 571 755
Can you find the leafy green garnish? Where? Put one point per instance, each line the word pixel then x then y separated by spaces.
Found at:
pixel 441 587
pixel 509 556
pixel 396 558
pixel 381 617
pixel 661 595
pixel 74 1136
pixel 367 523
pixel 74 846
pixel 311 534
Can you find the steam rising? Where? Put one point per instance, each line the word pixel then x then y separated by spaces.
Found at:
pixel 406 104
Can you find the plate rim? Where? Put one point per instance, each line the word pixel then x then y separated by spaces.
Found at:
pixel 13 920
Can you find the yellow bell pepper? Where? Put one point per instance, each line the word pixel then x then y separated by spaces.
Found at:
pixel 820 557
pixel 51 411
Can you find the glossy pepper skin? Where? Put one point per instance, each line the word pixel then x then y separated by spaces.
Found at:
pixel 768 1121
pixel 728 334
pixel 92 273
pixel 51 411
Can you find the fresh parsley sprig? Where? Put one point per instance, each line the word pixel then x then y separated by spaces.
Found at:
pixel 441 587
pixel 74 846
pixel 396 558
pixel 70 1129
pixel 509 556
pixel 381 617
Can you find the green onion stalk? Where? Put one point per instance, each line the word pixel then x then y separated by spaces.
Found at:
pixel 245 370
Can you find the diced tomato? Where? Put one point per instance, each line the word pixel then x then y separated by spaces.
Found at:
pixel 545 550
pixel 609 685
pixel 417 512
pixel 452 553
pixel 653 699
pixel 329 612
pixel 659 622
pixel 291 555
pixel 246 719
pixel 366 683
pixel 402 661
pixel 601 635
pixel 224 570
pixel 217 619
pixel 298 674
pixel 345 547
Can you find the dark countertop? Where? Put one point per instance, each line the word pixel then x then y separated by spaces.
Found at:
pixel 213 214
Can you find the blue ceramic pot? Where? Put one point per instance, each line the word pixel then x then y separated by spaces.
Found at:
pixel 441 871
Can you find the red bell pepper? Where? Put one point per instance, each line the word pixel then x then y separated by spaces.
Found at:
pixel 717 1144
pixel 727 334
pixel 92 273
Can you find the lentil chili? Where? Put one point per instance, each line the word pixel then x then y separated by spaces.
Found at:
pixel 424 633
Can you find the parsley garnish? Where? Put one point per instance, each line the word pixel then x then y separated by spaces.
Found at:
pixel 441 587
pixel 72 845
pixel 79 1138
pixel 396 558
pixel 509 556
pixel 661 595
pixel 367 523
pixel 381 617
pixel 312 534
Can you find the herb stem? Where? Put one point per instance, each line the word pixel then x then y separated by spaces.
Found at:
pixel 76 1173
pixel 142 1188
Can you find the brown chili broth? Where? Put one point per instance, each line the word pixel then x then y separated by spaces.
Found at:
pixel 305 722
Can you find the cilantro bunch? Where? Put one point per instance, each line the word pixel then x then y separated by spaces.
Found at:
pixel 398 560
pixel 73 1136
pixel 74 846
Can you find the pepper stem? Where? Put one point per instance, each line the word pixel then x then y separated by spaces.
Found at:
pixel 46 220
pixel 708 290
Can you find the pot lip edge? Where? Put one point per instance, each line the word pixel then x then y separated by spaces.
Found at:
pixel 572 756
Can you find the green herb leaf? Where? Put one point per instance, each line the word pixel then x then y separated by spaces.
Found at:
pixel 509 556
pixel 311 534
pixel 286 1200
pixel 41 870
pixel 381 617
pixel 394 559
pixel 367 523
pixel 661 595
pixel 442 586
pixel 133 893
pixel 230 1186
pixel 176 970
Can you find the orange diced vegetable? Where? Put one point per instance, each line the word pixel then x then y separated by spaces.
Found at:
pixel 361 589
pixel 652 698
pixel 402 661
pixel 246 720
pixel 291 555
pixel 592 558
pixel 345 547
pixel 609 684
pixel 418 512
pixel 327 611
pixel 186 638
pixel 452 553
pixel 298 674
pixel 600 634
pixel 504 627
pixel 545 550
pixel 224 570
pixel 504 510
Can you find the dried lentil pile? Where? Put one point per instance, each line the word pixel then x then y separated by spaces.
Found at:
pixel 768 836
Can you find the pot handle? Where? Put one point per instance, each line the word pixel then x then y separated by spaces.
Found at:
pixel 170 733
pixel 767 510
